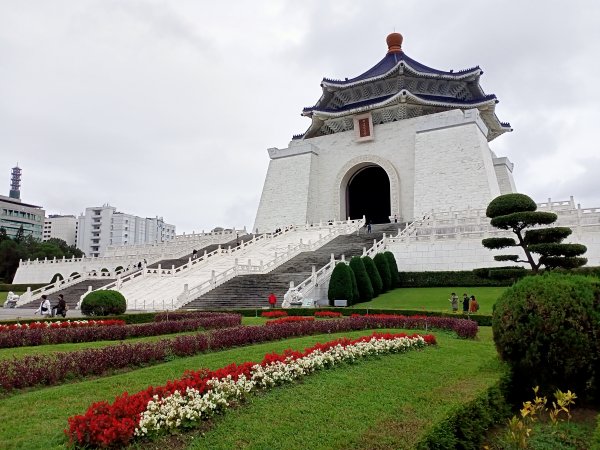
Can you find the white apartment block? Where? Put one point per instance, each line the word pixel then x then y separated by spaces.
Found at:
pixel 61 227
pixel 102 226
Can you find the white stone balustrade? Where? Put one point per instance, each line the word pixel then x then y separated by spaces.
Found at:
pixel 173 287
pixel 42 271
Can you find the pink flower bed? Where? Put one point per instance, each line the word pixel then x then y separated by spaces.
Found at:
pixel 117 424
pixel 32 370
pixel 273 314
pixel 328 314
pixel 116 330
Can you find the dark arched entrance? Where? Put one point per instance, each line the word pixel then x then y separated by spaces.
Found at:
pixel 368 194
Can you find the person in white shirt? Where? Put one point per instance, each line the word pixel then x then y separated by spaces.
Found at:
pixel 45 308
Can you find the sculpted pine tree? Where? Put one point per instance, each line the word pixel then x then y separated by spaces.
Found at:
pixel 517 212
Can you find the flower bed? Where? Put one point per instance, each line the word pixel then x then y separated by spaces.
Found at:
pixel 328 314
pixel 184 403
pixel 273 314
pixel 40 335
pixel 291 319
pixel 60 324
pixel 186 315
pixel 18 373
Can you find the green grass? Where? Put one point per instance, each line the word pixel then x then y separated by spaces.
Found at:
pixel 433 299
pixel 391 399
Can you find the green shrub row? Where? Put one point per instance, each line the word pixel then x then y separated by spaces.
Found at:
pixel 466 426
pixel 448 279
pixel 5 287
pixel 596 436
pixel 363 278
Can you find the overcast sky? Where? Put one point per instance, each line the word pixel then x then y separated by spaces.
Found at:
pixel 167 107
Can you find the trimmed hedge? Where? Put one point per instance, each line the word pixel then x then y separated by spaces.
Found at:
pixel 391 259
pixel 448 279
pixel 365 288
pixel 340 285
pixel 373 275
pixel 105 302
pixel 5 287
pixel 467 425
pixel 596 436
pixel 384 271
pixel 355 294
pixel 547 327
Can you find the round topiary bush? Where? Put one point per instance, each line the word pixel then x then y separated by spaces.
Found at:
pixel 510 203
pixel 340 284
pixel 395 276
pixel 384 271
pixel 373 275
pixel 103 303
pixel 363 282
pixel 548 329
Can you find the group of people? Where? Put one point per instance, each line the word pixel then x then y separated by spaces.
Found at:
pixel 47 310
pixel 469 304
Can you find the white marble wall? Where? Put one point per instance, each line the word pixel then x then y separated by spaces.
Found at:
pixel 440 150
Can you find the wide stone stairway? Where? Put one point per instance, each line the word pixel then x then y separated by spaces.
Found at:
pixel 252 291
pixel 168 263
pixel 72 293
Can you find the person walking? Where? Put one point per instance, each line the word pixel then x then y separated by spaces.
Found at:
pixel 369 227
pixel 465 303
pixel 45 308
pixel 454 302
pixel 473 305
pixel 61 307
pixel 272 300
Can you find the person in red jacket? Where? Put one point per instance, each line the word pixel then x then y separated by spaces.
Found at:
pixel 272 300
pixel 473 305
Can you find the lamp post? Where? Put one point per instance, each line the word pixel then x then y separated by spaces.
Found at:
pixel 237 238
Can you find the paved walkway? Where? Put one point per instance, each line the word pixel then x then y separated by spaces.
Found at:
pixel 28 313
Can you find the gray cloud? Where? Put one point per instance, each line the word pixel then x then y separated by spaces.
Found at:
pixel 166 108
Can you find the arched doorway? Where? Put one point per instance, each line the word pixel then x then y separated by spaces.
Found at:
pixel 368 194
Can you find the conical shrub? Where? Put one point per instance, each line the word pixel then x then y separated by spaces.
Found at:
pixel 355 295
pixel 395 276
pixel 363 282
pixel 340 285
pixel 373 275
pixel 384 271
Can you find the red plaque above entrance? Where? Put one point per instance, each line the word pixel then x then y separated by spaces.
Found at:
pixel 363 128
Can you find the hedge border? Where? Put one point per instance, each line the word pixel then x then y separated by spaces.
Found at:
pixel 596 435
pixel 481 319
pixel 466 425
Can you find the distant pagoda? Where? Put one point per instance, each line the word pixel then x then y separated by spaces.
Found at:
pixel 396 88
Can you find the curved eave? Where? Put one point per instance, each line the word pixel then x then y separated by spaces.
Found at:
pixel 403 96
pixel 405 64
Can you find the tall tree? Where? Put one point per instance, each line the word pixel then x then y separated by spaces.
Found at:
pixel 518 213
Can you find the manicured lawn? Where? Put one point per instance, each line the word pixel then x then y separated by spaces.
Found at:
pixel 433 299
pixel 388 400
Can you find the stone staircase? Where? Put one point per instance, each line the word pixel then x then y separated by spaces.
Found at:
pixel 167 263
pixel 252 291
pixel 72 294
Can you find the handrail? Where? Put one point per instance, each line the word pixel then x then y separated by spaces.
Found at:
pixel 335 229
pixel 306 287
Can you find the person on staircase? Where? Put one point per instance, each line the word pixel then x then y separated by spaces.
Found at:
pixel 272 300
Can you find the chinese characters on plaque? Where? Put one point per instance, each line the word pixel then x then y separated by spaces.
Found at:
pixel 364 128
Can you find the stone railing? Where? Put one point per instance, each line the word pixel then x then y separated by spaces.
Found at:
pixel 303 293
pixel 334 229
pixel 180 246
pixel 59 285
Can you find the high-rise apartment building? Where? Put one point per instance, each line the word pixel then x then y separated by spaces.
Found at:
pixel 61 227
pixel 102 226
